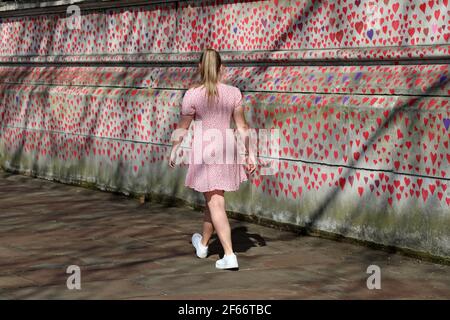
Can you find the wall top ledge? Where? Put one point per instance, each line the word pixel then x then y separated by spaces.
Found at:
pixel 25 5
pixel 33 7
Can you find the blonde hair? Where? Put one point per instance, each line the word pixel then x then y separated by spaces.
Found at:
pixel 210 64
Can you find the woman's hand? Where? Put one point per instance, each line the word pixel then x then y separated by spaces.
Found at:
pixel 173 156
pixel 251 163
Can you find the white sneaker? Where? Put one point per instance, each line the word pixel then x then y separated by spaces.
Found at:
pixel 227 262
pixel 200 249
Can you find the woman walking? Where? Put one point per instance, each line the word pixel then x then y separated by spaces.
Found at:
pixel 212 104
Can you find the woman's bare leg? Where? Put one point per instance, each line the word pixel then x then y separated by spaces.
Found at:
pixel 208 228
pixel 216 205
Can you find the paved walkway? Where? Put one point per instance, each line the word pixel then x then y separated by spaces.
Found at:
pixel 128 250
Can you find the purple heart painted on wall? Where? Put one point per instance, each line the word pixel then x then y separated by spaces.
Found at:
pixel 447 123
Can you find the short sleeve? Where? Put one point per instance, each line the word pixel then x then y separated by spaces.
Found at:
pixel 238 99
pixel 187 106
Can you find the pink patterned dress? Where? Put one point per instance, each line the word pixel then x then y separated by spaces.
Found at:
pixel 213 163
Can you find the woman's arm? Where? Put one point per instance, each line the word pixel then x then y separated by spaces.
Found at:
pixel 243 130
pixel 178 135
pixel 186 115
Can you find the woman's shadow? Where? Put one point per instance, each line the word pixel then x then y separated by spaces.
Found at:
pixel 242 241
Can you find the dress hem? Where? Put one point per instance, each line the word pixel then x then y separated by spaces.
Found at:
pixel 227 189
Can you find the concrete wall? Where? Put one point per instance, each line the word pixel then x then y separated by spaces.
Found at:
pixel 360 94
